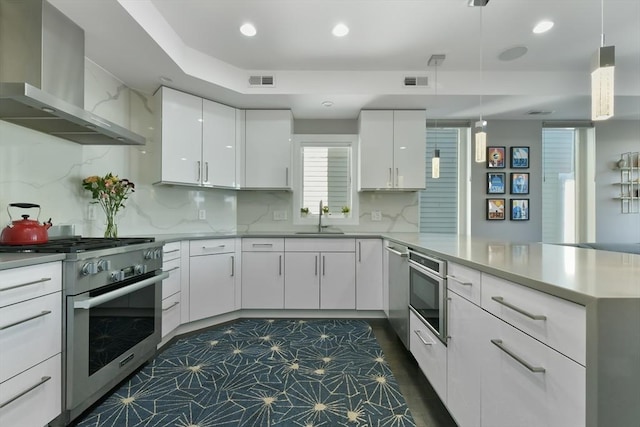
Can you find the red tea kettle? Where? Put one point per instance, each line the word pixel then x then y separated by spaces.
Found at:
pixel 25 231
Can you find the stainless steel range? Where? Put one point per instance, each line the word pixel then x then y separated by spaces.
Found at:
pixel 112 313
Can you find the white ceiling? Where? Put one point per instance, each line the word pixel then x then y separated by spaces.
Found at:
pixel 197 44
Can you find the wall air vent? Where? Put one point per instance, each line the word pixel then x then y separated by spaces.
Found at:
pixel 414 81
pixel 538 113
pixel 262 81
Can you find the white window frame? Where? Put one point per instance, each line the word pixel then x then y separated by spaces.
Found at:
pixel 342 140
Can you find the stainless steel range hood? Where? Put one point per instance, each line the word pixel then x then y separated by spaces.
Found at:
pixel 42 76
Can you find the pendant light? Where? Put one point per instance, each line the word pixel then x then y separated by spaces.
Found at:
pixel 436 60
pixel 480 132
pixel 602 76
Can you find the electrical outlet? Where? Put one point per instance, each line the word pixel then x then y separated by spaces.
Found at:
pixel 279 215
pixel 202 214
pixel 376 215
pixel 91 213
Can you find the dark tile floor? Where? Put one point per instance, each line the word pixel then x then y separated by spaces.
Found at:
pixel 425 405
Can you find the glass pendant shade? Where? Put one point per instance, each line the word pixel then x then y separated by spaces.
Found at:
pixel 435 164
pixel 602 79
pixel 481 142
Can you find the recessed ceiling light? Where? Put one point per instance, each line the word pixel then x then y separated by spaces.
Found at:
pixel 327 103
pixel 248 30
pixel 543 27
pixel 340 30
pixel 513 53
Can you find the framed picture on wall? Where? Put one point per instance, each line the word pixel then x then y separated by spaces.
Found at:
pixel 495 182
pixel 519 157
pixel 495 209
pixel 519 183
pixel 495 157
pixel 519 209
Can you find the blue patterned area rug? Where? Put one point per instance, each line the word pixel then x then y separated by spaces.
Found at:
pixel 262 373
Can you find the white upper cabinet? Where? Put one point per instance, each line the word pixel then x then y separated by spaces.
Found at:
pixel 392 149
pixel 268 149
pixel 218 145
pixel 196 141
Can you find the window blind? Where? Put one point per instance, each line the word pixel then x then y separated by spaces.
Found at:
pixel 326 177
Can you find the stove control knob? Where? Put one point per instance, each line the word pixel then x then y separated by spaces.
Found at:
pixel 104 265
pixel 148 254
pixel 157 254
pixel 140 269
pixel 116 276
pixel 89 268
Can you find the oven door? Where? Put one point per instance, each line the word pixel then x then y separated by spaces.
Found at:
pixel 427 296
pixel 110 332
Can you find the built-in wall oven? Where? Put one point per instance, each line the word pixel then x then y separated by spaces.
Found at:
pixel 428 291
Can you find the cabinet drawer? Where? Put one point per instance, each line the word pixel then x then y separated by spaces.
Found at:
pixel 171 285
pixel 211 246
pixel 30 332
pixel 171 251
pixel 40 402
pixel 320 245
pixel 464 281
pixel 430 353
pixel 170 313
pixel 514 394
pixel 262 245
pixel 556 322
pixel 19 284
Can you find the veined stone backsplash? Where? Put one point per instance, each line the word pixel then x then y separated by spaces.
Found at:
pixel 42 169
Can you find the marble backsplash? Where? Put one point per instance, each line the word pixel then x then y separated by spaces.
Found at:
pixel 42 169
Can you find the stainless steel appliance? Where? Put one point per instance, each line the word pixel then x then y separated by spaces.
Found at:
pixel 112 313
pixel 399 291
pixel 428 292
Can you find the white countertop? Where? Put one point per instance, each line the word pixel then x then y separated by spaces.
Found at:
pixel 14 260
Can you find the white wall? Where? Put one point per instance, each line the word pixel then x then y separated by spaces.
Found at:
pixel 614 137
pixel 508 133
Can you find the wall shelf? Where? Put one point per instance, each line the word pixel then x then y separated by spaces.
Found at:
pixel 629 167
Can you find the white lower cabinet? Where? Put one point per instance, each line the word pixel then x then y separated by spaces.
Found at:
pixel 171 287
pixel 338 280
pixel 526 383
pixel 263 273
pixel 302 280
pixel 369 274
pixel 170 313
pixel 211 278
pixel 430 353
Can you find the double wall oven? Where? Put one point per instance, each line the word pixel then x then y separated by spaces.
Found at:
pixel 112 313
pixel 428 292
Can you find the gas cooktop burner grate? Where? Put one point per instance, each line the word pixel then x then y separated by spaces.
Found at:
pixel 76 244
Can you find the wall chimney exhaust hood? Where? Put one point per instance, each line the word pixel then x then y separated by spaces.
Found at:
pixel 42 76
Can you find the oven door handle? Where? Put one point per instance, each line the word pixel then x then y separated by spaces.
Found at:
pixel 95 301
pixel 401 254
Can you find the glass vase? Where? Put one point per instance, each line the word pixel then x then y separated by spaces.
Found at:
pixel 112 228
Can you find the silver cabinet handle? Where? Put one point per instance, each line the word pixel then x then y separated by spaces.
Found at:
pixel 262 245
pixel 501 300
pixel 35 282
pixel 233 265
pixel 101 299
pixel 498 343
pixel 171 251
pixel 397 177
pixel 22 393
pixel 390 178
pixel 323 264
pixel 171 269
pixel 206 171
pixel 286 178
pixel 425 342
pixel 402 254
pixel 316 265
pixel 213 248
pixel 199 171
pixel 359 251
pixel 455 279
pixel 42 313
pixel 171 306
pixel 280 265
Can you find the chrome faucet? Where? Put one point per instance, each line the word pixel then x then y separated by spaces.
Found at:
pixel 320 218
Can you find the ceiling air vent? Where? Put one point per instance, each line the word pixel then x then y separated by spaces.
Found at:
pixel 539 113
pixel 413 81
pixel 261 81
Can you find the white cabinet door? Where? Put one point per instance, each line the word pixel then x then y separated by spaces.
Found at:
pixel 181 137
pixel 514 395
pixel 337 280
pixel 430 353
pixel 262 280
pixel 376 149
pixel 268 149
pixel 302 280
pixel 218 145
pixel 409 145
pixel 211 285
pixel 464 360
pixel 369 274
